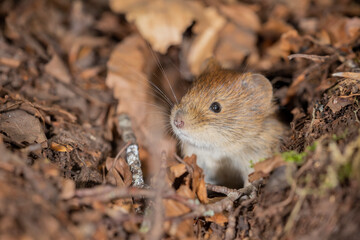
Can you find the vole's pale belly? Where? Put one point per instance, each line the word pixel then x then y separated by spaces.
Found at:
pixel 222 168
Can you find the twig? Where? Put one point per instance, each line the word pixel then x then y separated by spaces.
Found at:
pixel 351 95
pixel 312 122
pixel 244 191
pixel 220 189
pixel 295 211
pixel 230 230
pixel 109 193
pixel 158 220
pixel 314 58
pixel 132 151
pixel 351 75
pixel 224 204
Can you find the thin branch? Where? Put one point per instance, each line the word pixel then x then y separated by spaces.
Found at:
pixel 315 58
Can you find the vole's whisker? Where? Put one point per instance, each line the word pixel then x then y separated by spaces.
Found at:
pixel 155 106
pixel 163 72
pixel 140 79
pixel 161 93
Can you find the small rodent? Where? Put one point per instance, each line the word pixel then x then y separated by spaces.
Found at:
pixel 227 120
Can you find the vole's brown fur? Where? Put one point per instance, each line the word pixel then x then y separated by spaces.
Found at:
pixel 244 131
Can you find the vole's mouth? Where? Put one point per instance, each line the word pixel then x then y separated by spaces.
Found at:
pixel 187 138
pixel 181 134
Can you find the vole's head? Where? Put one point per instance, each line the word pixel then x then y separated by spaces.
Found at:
pixel 222 107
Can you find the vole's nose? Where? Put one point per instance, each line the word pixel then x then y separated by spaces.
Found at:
pixel 179 119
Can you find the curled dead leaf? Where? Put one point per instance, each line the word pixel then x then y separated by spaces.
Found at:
pixel 197 181
pixel 119 173
pixel 208 28
pixel 264 168
pixel 176 171
pixel 161 22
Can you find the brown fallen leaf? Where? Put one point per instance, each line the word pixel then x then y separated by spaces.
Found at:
pixel 218 218
pixel 242 15
pixel 161 22
pixel 207 29
pixel 118 172
pixel 174 209
pixel 264 168
pixel 341 30
pixel 337 103
pixel 198 181
pixel 275 28
pixel 21 127
pixel 57 69
pixel 234 45
pixel 176 171
pixel 289 42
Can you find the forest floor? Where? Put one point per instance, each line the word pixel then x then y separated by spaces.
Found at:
pixel 68 69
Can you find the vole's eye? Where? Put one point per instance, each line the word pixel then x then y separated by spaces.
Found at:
pixel 215 107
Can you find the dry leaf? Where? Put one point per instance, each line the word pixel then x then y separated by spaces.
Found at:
pixel 234 45
pixel 176 171
pixel 264 168
pixel 218 218
pixel 122 6
pixel 337 103
pixel 275 28
pixel 243 16
pixel 57 69
pixel 238 38
pixel 22 127
pixel 118 172
pixel 208 30
pixel 174 208
pixel 342 30
pixel 198 181
pixel 161 22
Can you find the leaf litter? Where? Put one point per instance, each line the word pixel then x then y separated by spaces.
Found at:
pixel 69 68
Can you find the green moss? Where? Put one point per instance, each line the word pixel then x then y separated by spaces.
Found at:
pixel 341 136
pixel 311 148
pixel 298 158
pixel 294 157
pixel 344 171
pixel 251 163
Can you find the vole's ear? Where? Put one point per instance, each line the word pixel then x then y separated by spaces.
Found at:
pixel 210 64
pixel 260 88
